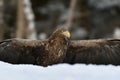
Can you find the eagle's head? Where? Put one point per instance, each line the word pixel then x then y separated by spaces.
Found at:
pixel 60 34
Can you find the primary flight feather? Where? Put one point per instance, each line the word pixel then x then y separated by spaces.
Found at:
pixel 101 51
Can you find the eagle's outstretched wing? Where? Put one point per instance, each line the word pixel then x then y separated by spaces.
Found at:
pixel 24 51
pixel 94 52
pixel 20 51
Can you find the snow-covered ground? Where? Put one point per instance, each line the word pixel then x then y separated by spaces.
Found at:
pixel 59 72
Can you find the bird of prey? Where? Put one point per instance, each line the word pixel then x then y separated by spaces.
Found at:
pixel 58 48
pixel 37 52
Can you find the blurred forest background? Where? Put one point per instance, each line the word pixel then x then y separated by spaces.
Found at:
pixel 37 19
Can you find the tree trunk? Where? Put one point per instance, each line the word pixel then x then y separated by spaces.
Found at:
pixel 29 16
pixel 21 28
pixel 1 20
pixel 71 13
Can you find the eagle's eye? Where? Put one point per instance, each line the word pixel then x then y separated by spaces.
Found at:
pixel 66 33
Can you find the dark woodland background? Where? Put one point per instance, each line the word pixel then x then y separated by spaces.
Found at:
pixel 37 19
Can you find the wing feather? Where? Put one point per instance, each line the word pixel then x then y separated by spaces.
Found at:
pixel 20 51
pixel 94 52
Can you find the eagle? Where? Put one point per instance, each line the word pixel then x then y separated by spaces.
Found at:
pixel 58 48
pixel 37 52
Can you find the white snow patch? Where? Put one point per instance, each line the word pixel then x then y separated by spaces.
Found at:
pixel 58 72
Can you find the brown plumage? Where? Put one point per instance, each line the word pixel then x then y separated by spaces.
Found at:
pixel 102 51
pixel 58 49
pixel 44 53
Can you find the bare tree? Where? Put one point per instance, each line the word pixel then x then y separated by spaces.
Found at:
pixel 29 15
pixel 21 28
pixel 81 7
pixel 1 20
pixel 71 13
pixel 25 20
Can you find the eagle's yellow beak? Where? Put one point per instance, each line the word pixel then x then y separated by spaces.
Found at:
pixel 66 33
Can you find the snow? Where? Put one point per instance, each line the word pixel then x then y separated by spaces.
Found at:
pixel 59 72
